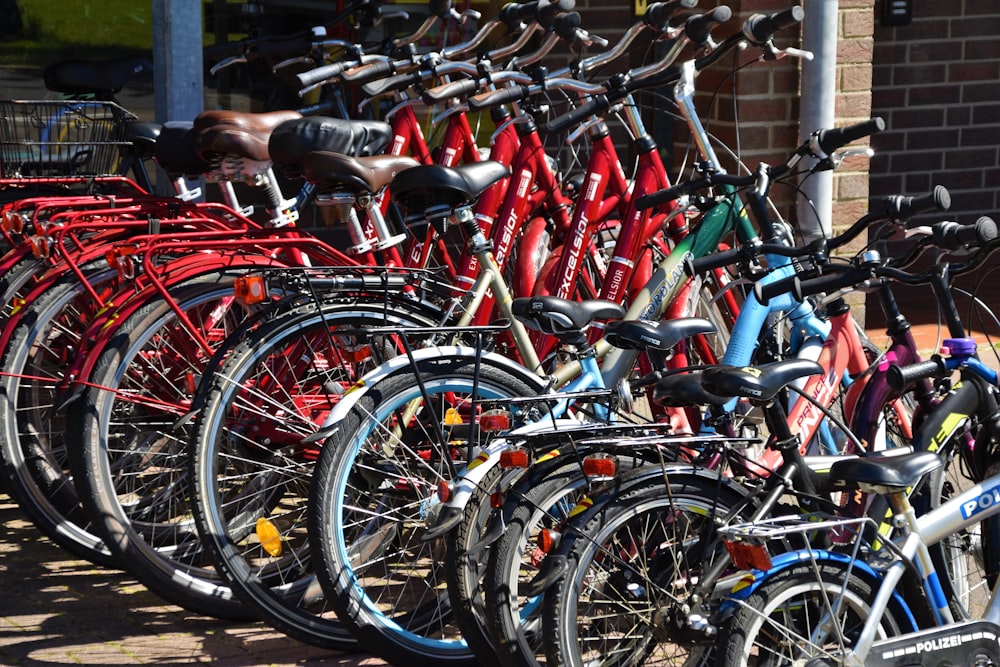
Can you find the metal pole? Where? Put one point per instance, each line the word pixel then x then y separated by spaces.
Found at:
pixel 816 110
pixel 178 82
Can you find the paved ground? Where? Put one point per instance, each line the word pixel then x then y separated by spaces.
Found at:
pixel 58 611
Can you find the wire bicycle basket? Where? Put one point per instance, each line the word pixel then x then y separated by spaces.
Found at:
pixel 59 138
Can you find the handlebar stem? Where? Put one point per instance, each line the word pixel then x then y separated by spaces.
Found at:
pixel 684 96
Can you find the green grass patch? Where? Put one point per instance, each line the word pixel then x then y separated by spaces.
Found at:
pixel 59 29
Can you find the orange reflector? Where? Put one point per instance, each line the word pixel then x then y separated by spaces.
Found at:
pixel 444 491
pixel 514 458
pixel 747 556
pixel 41 246
pixel 452 417
pixel 13 222
pixel 250 289
pixel 494 420
pixel 600 465
pixel 269 537
pixel 548 539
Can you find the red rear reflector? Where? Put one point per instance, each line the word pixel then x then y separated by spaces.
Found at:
pixel 13 222
pixel 494 420
pixel 514 458
pixel 600 465
pixel 444 491
pixel 250 289
pixel 747 556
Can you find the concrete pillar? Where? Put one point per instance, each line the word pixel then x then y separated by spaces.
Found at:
pixel 178 83
pixel 816 110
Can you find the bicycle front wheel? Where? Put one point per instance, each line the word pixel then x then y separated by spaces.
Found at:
pixel 790 619
pixel 374 491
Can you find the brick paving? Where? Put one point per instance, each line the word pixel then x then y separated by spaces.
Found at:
pixel 55 610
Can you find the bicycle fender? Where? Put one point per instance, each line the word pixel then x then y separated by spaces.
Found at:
pixel 404 364
pixel 753 579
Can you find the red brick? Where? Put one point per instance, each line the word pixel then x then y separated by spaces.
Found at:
pixel 978 26
pixel 888 52
pixel 858 23
pixel 853 105
pixel 921 118
pixel 967 179
pixel 921 74
pixel 855 77
pixel 981 157
pixel 980 135
pixel 932 139
pixel 912 161
pixel 986 113
pixel 765 108
pixel 957 115
pixel 979 92
pixel 884 185
pixel 888 141
pixel 917 183
pixel 982 49
pixel 973 71
pixel 855 50
pixel 851 186
pixel 888 98
pixel 931 52
pixel 933 95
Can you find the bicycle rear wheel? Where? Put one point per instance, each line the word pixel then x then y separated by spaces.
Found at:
pixel 129 443
pixel 250 470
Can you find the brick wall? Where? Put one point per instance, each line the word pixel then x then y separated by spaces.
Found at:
pixel 767 102
pixel 937 84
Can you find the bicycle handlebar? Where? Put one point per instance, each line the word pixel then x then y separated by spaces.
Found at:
pixel 698 28
pixel 824 142
pixel 946 234
pixel 952 235
pixel 899 207
pixel 900 377
pixel 659 13
pixel 760 28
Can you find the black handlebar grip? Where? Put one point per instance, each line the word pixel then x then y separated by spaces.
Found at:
pixel 900 208
pixel 986 230
pixel 549 11
pixel 765 292
pixel 760 28
pixel 578 115
pixel 952 235
pixel 495 98
pixel 659 13
pixel 389 85
pixel 376 70
pixel 698 27
pixel 716 260
pixel 320 74
pixel 829 283
pixel 671 193
pixel 440 8
pixel 831 139
pixel 565 25
pixel 514 13
pixel 460 88
pixel 900 377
